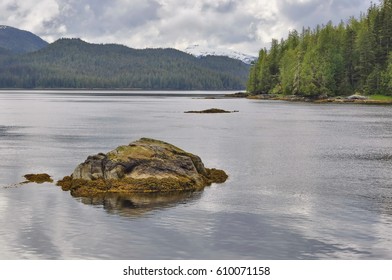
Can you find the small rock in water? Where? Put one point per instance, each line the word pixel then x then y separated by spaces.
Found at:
pixel 143 166
pixel 38 178
pixel 211 111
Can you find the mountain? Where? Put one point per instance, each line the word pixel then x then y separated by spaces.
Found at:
pixel 5 52
pixel 73 63
pixel 199 51
pixel 19 41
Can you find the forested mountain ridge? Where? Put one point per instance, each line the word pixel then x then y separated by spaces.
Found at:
pixel 73 63
pixel 19 41
pixel 352 57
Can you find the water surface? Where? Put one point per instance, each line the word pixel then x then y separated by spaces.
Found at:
pixel 306 181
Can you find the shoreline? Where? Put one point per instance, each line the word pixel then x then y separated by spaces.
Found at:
pixel 353 99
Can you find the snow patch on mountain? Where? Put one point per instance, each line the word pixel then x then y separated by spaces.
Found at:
pixel 200 51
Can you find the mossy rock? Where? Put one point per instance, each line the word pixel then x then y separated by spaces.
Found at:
pixel 143 166
pixel 38 178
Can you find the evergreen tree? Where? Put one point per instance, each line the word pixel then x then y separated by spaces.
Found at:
pixel 330 60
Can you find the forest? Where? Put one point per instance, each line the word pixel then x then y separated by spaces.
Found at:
pixel 73 63
pixel 330 60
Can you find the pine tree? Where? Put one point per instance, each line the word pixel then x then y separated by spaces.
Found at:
pixel 330 60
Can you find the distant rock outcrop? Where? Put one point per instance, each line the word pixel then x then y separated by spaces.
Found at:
pixel 211 111
pixel 146 165
pixel 357 97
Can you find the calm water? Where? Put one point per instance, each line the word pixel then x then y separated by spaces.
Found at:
pixel 306 181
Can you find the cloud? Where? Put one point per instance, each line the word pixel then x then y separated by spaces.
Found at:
pixel 94 20
pixel 225 6
pixel 245 25
pixel 308 13
pixel 27 14
pixel 220 23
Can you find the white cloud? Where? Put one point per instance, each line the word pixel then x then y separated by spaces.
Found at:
pixel 28 14
pixel 245 25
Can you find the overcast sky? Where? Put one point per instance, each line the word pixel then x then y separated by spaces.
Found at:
pixel 243 25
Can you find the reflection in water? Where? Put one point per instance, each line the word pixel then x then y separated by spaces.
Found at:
pixel 365 156
pixel 138 204
pixel 381 204
pixel 307 181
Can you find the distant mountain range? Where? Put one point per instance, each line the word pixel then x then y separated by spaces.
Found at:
pixel 19 41
pixel 200 51
pixel 27 61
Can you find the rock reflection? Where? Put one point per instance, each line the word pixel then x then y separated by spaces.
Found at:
pixel 138 204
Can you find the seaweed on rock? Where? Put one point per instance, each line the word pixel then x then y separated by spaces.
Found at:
pixel 143 166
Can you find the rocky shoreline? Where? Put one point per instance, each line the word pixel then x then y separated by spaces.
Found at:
pixel 355 99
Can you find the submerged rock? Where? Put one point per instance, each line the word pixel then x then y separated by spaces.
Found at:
pixel 146 165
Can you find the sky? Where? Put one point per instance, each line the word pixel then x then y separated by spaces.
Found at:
pixel 241 25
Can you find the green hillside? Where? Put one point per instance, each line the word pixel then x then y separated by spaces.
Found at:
pixel 19 41
pixel 73 63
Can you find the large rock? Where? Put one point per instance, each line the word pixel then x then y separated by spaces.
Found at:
pixel 146 165
pixel 357 97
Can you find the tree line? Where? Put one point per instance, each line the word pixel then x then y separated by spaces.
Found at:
pixel 330 60
pixel 73 63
